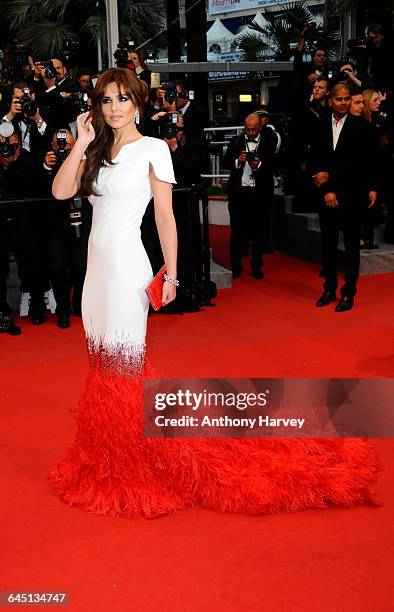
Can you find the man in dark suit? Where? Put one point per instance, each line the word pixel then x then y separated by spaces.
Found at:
pixel 343 155
pixel 195 117
pixel 250 158
pixel 33 129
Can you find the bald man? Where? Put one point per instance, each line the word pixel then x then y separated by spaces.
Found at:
pixel 250 158
pixel 343 156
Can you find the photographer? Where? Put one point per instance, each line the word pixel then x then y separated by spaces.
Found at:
pixel 306 73
pixel 84 80
pixel 348 74
pixel 195 117
pixel 18 223
pixel 52 85
pixel 188 158
pixel 25 116
pixel 380 52
pixel 141 69
pixel 251 160
pixel 65 233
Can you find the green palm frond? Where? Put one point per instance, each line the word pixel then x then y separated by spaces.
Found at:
pixel 45 38
pixel 18 12
pixel 298 15
pixel 252 47
pixel 280 33
pixel 95 28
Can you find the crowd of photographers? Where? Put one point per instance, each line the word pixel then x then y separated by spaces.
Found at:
pixel 39 104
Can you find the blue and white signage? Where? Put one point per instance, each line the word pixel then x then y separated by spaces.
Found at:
pixel 216 7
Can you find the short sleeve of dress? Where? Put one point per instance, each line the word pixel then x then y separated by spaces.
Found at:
pixel 160 158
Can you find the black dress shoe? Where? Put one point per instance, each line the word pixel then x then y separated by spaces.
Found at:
pixel 63 321
pixel 37 318
pixel 5 309
pixel 346 303
pixel 257 274
pixel 326 298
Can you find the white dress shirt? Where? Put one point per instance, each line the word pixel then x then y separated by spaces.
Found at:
pixel 248 179
pixel 184 108
pixel 337 129
pixel 25 131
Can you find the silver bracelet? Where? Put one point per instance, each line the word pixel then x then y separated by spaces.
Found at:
pixel 172 281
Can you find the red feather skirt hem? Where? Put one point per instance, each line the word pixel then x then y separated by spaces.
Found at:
pixel 112 469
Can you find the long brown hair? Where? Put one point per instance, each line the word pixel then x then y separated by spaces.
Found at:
pixel 99 151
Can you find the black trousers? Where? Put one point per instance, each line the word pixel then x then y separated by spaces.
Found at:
pixel 332 220
pixel 250 221
pixel 22 243
pixel 66 261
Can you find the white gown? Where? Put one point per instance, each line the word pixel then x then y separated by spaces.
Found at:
pixel 114 302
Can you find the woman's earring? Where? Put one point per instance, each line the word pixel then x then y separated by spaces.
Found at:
pixel 137 116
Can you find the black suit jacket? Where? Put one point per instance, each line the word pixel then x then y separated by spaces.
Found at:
pixel 265 151
pixel 195 119
pixel 352 165
pixel 38 142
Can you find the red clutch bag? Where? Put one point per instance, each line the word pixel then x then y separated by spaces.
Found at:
pixel 154 290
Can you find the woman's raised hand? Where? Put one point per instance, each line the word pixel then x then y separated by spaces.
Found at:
pixel 85 128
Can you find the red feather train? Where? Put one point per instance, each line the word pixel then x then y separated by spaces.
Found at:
pixel 112 469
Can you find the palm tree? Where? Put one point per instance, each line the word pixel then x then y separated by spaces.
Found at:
pixel 282 33
pixel 44 24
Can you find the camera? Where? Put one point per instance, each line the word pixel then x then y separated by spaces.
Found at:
pixel 75 216
pixel 49 69
pixel 80 101
pixel 61 153
pixel 250 156
pixel 17 58
pixel 359 48
pixel 310 31
pixel 356 43
pixel 170 93
pixel 168 125
pixel 6 148
pixel 29 107
pixel 121 54
pixel 70 50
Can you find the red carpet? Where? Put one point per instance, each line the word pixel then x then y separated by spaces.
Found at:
pixel 329 560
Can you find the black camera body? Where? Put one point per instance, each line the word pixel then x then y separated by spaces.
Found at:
pixel 121 54
pixel 49 69
pixel 6 148
pixel 75 216
pixel 61 153
pixel 250 156
pixel 170 95
pixel 70 50
pixel 17 58
pixel 29 107
pixel 310 32
pixel 80 100
pixel 168 125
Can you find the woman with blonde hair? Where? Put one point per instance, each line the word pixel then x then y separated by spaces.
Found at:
pixel 373 216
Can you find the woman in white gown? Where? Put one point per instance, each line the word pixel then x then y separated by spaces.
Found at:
pixel 110 467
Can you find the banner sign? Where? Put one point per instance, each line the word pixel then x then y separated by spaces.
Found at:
pixel 215 7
